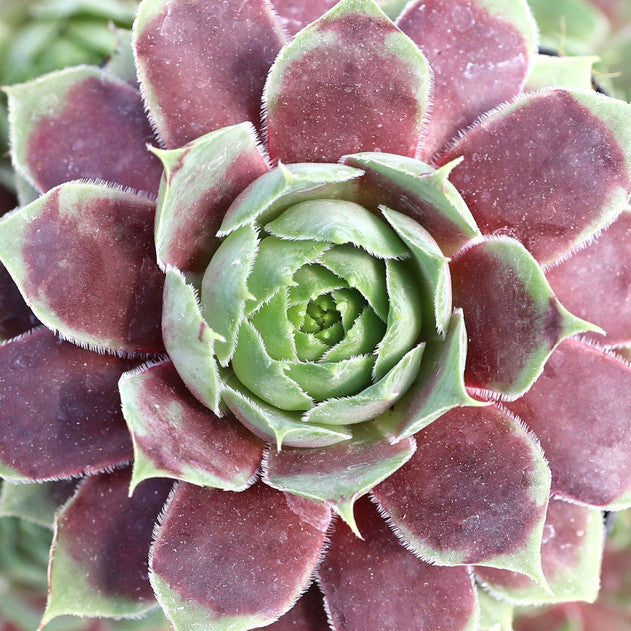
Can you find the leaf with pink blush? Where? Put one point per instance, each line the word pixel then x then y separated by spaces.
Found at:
pixel 480 52
pixel 340 474
pixel 359 579
pixel 294 15
pixel 83 257
pixel 175 436
pixel 235 560
pixel 72 138
pixel 571 554
pixel 551 169
pixel 307 614
pixel 513 319
pixel 202 64
pixel 101 548
pixel 61 402
pixel 475 492
pixel 350 82
pixel 588 394
pixel 201 180
pixel 594 283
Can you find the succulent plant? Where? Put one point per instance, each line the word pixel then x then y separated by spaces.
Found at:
pixel 351 296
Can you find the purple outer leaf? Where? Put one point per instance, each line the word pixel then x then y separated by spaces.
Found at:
pixel 101 548
pixel 83 257
pixel 326 96
pixel 594 283
pixel 513 319
pixel 307 614
pixel 587 393
pixel 194 198
pixel 177 437
pixel 296 14
pixel 480 56
pixel 235 560
pixel 15 316
pixel 73 139
pixel 202 64
pixel 377 584
pixel 548 169
pixel 60 402
pixel 475 491
pixel 571 554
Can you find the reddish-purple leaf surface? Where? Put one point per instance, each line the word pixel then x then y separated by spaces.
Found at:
pixel 107 534
pixel 594 283
pixel 179 435
pixel 479 61
pixel 377 584
pixel 327 96
pixel 85 262
pixel 15 316
pixel 541 170
pixel 580 409
pixel 307 614
pixel 471 488
pixel 246 554
pixel 296 14
pixel 203 64
pixel 60 402
pixel 78 143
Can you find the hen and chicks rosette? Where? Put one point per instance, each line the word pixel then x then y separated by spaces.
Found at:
pixel 321 257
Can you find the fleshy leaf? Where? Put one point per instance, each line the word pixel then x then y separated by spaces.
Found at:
pixel 177 437
pixel 587 393
pixel 82 255
pixel 495 615
pixel 120 62
pixel 480 53
pixel 340 474
pixel 551 186
pixel 235 560
pixel 327 96
pixel 594 283
pixel 418 190
pixel 372 401
pixel 438 388
pixel 61 128
pixel 475 491
pixel 101 547
pixel 571 554
pixel 61 402
pixel 35 502
pixel 217 54
pixel 566 72
pixel 306 615
pixel 201 180
pixel 189 340
pixel 376 584
pixel 513 319
pixel 279 426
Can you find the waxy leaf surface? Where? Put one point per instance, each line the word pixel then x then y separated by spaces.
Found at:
pixel 83 256
pixel 235 560
pixel 326 96
pixel 60 402
pixel 202 64
pixel 101 548
pixel 73 138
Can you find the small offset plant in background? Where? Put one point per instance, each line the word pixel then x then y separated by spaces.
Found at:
pixel 367 344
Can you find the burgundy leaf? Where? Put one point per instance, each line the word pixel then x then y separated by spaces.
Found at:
pixel 175 436
pixel 547 170
pixel 202 64
pixel 98 130
pixel 580 409
pixel 83 257
pixel 307 614
pixel 351 82
pixel 476 489
pixel 102 544
pixel 296 14
pixel 594 283
pixel 15 316
pixel 60 402
pixel 377 584
pixel 479 59
pixel 239 558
